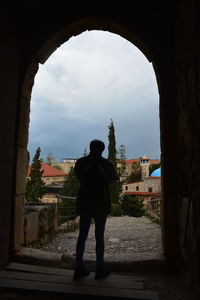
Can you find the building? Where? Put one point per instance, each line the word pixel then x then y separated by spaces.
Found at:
pixel 50 174
pixel 53 179
pixel 66 164
pixel 143 162
pixel 146 189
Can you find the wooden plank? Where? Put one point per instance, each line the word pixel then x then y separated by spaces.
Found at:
pixel 62 272
pixel 38 269
pixel 77 290
pixel 108 282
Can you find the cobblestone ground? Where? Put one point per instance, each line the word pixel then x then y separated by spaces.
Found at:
pixel 129 239
pixel 126 239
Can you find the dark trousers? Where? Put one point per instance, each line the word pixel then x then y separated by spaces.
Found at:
pixel 85 221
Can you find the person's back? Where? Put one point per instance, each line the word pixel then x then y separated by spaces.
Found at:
pixel 94 173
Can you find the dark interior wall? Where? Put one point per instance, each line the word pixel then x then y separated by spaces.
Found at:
pixel 40 28
pixel 8 99
pixel 38 23
pixel 188 149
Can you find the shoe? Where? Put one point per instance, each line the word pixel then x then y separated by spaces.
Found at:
pixel 102 273
pixel 80 272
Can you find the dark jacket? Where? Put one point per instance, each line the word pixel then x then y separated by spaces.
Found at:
pixel 94 195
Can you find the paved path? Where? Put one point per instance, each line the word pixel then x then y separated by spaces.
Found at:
pixel 126 239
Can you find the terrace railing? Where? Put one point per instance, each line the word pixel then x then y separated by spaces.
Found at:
pixel 153 209
pixel 66 209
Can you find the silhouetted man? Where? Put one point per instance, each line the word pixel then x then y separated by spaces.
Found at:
pixel 94 173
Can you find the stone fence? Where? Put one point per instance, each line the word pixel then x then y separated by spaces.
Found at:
pixel 40 223
pixel 153 209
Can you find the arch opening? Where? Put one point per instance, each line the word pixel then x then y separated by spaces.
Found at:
pixel 26 92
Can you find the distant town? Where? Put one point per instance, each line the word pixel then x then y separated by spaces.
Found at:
pixel 140 177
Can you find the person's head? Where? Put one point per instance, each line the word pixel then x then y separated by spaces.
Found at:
pixel 96 147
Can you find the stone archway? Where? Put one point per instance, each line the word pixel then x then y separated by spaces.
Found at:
pixel 22 156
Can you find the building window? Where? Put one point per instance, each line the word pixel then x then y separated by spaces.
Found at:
pixel 126 187
pixel 150 190
pixel 137 188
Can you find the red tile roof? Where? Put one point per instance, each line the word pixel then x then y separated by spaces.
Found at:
pixel 48 171
pixel 131 161
pixel 143 193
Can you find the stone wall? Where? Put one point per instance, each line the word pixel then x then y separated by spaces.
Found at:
pixel 40 224
pixel 188 157
pixel 49 198
pixel 144 186
pixel 9 73
pixel 156 31
pixel 68 226
pixel 66 166
pixel 153 183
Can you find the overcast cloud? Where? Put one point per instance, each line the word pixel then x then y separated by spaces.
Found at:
pixel 91 79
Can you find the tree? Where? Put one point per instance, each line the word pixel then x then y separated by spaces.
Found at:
pixel 122 161
pixel 58 167
pixel 50 158
pixel 35 185
pixel 132 206
pixel 115 188
pixel 135 173
pixel 71 184
pixel 112 152
pixel 153 167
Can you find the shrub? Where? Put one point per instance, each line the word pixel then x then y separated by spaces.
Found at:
pixel 66 210
pixel 116 210
pixel 132 206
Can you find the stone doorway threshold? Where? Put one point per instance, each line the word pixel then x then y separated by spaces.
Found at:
pixel 25 279
pixel 157 277
pixel 44 258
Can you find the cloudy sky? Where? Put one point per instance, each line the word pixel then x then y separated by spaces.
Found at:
pixel 91 79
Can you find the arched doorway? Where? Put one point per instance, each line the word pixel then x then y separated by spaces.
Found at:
pixel 40 56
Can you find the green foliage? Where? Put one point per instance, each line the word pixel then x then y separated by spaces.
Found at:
pixel 132 206
pixel 66 210
pixel 122 160
pixel 135 173
pixel 58 167
pixel 35 185
pixel 49 159
pixel 153 167
pixel 112 152
pixel 116 210
pixel 71 185
pixel 122 152
pixel 115 188
pixel 67 207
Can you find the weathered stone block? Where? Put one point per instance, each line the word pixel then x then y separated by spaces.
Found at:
pixel 44 216
pixel 22 164
pixel 31 228
pixel 19 222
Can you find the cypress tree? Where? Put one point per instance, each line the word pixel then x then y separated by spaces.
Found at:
pixel 35 185
pixel 112 152
pixel 112 156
